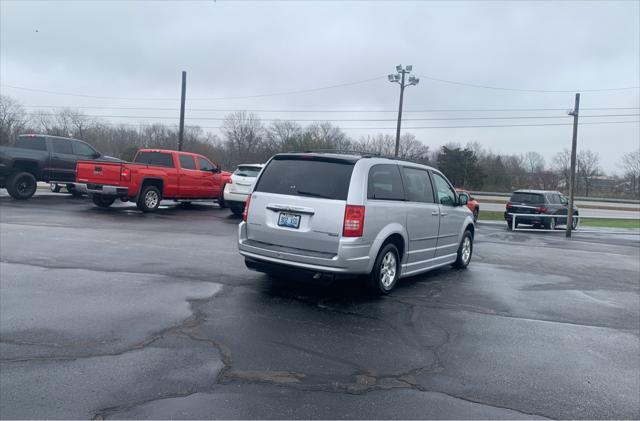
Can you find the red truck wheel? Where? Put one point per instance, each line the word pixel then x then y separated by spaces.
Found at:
pixel 149 199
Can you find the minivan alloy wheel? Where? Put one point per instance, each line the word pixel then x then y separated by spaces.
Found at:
pixel 466 250
pixel 388 270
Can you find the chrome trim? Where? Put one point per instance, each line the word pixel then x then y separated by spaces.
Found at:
pixel 288 208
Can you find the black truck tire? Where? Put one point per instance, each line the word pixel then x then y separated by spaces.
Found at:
pixel 21 185
pixel 102 201
pixel 74 192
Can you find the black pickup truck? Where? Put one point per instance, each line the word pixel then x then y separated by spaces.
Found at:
pixel 51 159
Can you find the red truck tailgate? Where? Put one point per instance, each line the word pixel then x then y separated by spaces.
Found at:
pixel 94 172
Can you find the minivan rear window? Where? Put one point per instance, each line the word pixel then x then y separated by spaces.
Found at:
pixel 527 198
pixel 298 176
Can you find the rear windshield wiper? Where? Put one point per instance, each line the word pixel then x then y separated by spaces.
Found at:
pixel 308 193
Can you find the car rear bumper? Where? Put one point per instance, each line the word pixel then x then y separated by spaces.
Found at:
pixel 105 190
pixel 234 196
pixel 350 259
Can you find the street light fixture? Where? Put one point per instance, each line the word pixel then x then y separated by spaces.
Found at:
pixel 400 79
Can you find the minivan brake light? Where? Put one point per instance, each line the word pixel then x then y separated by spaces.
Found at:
pixel 353 221
pixel 245 214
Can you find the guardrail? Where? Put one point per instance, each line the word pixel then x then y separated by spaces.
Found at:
pixel 577 229
pixel 581 198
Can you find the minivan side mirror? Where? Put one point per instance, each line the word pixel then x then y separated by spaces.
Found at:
pixel 463 199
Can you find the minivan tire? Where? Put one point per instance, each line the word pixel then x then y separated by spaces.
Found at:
pixel 103 201
pixel 386 270
pixel 21 185
pixel 465 251
pixel 149 199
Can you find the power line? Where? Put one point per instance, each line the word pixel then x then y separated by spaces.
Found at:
pixel 499 88
pixel 415 128
pixel 283 93
pixel 262 110
pixel 352 119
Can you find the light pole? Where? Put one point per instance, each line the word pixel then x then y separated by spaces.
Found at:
pixel 399 78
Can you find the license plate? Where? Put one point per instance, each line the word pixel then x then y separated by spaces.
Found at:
pixel 289 220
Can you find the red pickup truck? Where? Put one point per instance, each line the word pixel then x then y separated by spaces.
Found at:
pixel 154 175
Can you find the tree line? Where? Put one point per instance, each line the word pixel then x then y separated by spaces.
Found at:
pixel 245 138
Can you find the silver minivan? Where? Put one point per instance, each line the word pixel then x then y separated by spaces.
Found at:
pixel 331 214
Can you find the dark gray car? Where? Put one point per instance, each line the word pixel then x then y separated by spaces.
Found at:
pixel 531 205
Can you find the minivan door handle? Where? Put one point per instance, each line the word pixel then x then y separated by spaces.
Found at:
pixel 444 214
pixel 436 213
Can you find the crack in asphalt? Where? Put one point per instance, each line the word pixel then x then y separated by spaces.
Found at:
pixel 226 280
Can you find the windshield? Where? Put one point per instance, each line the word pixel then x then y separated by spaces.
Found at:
pixel 307 177
pixel 247 171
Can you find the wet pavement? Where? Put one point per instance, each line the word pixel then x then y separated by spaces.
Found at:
pixel 115 314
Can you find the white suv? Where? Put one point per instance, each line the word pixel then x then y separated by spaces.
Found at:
pixel 236 190
pixel 328 214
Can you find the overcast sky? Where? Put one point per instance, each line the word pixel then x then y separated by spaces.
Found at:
pixel 134 49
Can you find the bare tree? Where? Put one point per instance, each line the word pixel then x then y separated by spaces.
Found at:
pixel 13 119
pixel 534 164
pixel 561 164
pixel 283 136
pixel 588 169
pixel 244 135
pixel 631 165
pixel 411 148
pixel 324 135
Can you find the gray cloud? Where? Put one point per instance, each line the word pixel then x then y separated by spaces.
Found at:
pixel 137 49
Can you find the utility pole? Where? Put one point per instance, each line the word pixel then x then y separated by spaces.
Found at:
pixel 400 79
pixel 182 98
pixel 572 174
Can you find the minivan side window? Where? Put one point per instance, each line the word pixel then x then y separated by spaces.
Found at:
pixel 187 162
pixel 385 183
pixel 62 146
pixel 446 195
pixel 417 184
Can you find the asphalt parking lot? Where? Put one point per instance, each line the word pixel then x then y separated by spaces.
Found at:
pixel 110 313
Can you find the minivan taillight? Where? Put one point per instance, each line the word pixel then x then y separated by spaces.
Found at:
pixel 125 174
pixel 541 209
pixel 353 221
pixel 509 205
pixel 245 214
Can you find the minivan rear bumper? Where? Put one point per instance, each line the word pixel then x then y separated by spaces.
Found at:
pixel 350 259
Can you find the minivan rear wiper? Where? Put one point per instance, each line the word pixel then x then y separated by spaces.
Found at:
pixel 308 193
